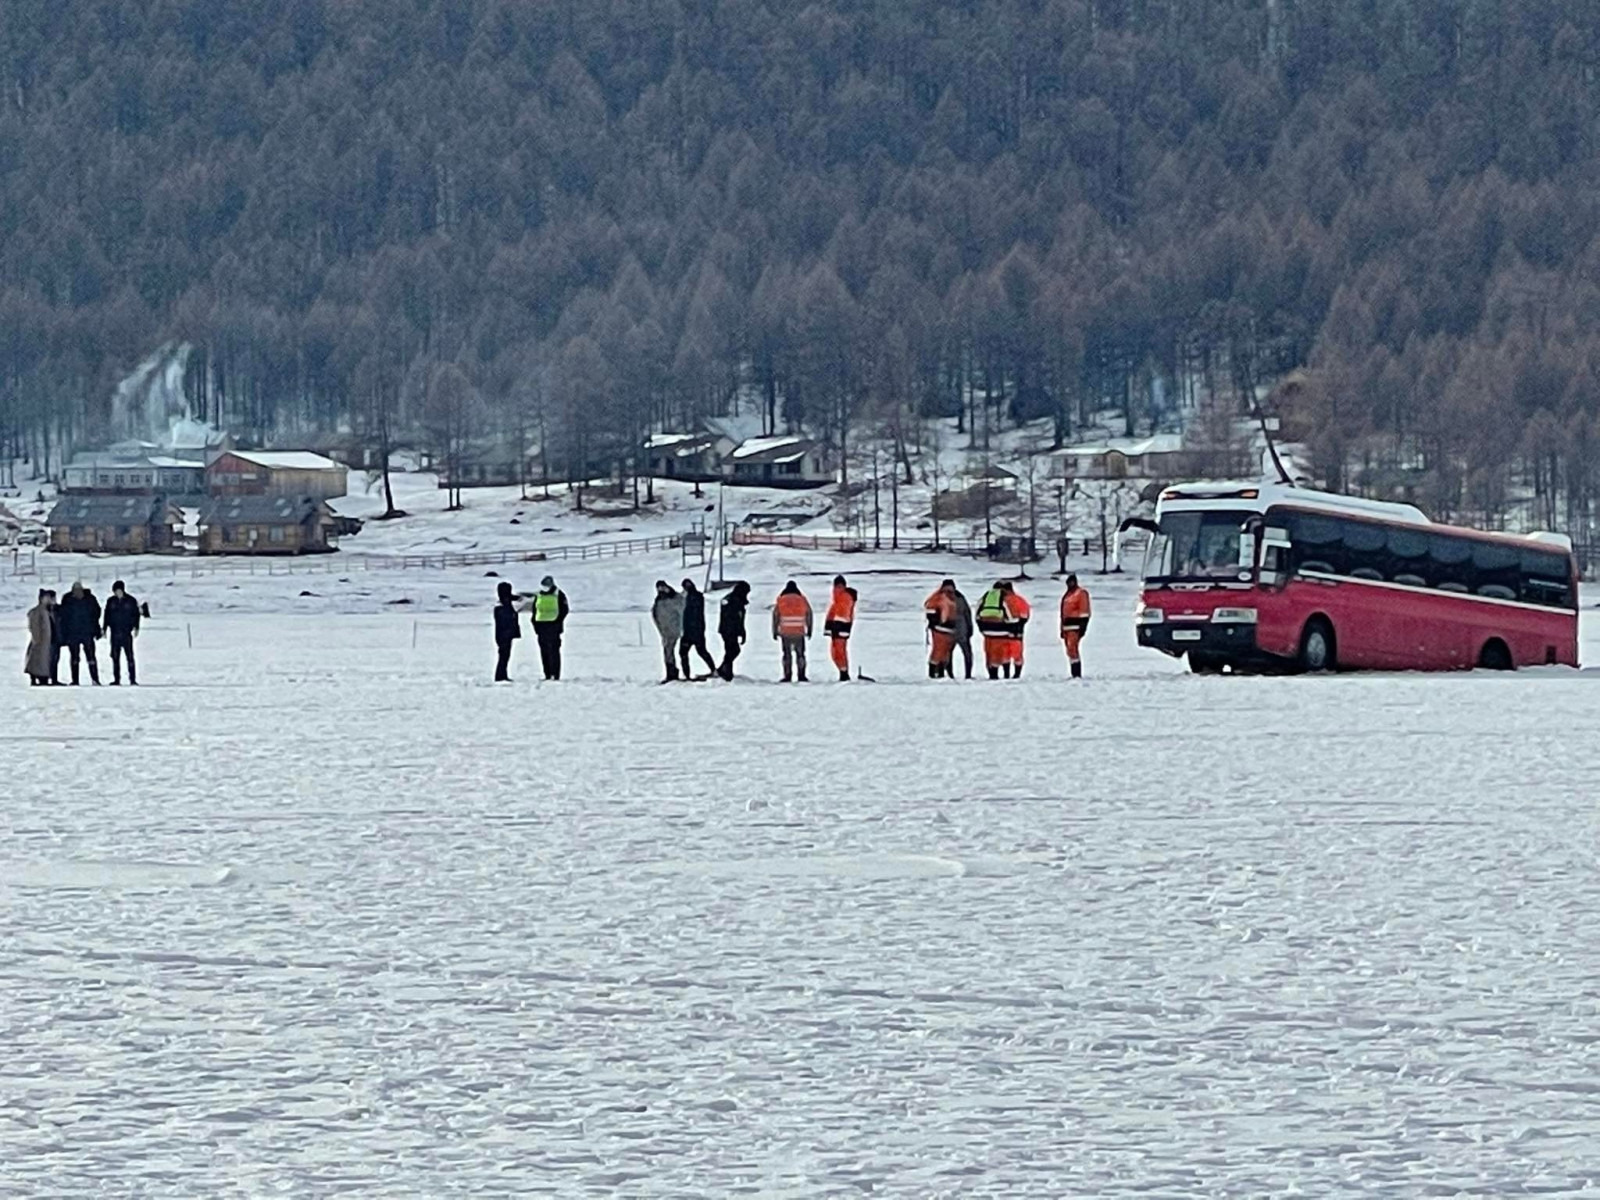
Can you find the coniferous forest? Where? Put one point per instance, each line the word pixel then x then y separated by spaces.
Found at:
pixel 595 218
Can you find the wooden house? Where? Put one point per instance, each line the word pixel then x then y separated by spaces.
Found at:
pixel 113 524
pixel 290 473
pixel 788 461
pixel 266 525
pixel 696 457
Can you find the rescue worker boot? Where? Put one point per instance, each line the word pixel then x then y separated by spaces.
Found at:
pixel 1016 670
pixel 1077 670
pixel 844 676
pixel 994 672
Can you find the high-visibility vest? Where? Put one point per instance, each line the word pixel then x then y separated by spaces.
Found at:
pixel 547 608
pixel 993 606
pixel 794 610
pixel 1075 611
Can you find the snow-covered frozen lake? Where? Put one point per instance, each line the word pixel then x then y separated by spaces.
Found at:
pixel 318 911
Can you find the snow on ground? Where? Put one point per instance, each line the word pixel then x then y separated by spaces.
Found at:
pixel 320 909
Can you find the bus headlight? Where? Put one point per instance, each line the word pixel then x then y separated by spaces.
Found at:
pixel 1149 616
pixel 1234 616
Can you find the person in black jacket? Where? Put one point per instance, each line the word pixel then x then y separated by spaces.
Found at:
pixel 550 613
pixel 730 625
pixel 507 629
pixel 80 629
pixel 694 630
pixel 122 625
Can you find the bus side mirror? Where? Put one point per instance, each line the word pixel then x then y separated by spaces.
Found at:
pixel 1274 557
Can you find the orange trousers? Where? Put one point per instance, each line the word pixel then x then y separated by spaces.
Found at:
pixel 997 651
pixel 839 648
pixel 944 647
pixel 1072 638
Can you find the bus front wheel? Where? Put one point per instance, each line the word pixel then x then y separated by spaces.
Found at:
pixel 1205 664
pixel 1318 652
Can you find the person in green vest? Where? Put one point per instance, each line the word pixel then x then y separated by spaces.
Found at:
pixel 549 622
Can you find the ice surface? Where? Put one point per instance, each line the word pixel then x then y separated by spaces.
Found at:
pixel 318 912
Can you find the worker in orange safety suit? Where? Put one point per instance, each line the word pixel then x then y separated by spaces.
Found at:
pixel 1019 611
pixel 838 623
pixel 1074 622
pixel 791 625
pixel 941 609
pixel 1002 618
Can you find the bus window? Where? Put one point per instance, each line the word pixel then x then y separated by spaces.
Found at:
pixel 1364 544
pixel 1408 556
pixel 1496 569
pixel 1196 545
pixel 1318 543
pixel 1546 578
pixel 1450 562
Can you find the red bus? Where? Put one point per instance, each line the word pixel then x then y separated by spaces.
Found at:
pixel 1263 577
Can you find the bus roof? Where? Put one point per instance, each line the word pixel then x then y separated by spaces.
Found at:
pixel 1261 496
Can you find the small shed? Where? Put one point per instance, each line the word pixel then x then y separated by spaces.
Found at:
pixel 113 524
pixel 292 473
pixel 266 525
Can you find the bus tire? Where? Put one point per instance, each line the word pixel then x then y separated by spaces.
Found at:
pixel 1205 664
pixel 1318 647
pixel 1495 656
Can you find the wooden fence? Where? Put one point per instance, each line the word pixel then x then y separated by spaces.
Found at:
pixel 191 567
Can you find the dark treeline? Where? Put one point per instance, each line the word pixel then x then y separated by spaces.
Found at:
pixel 573 222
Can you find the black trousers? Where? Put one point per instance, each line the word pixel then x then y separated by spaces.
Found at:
pixel 697 644
pixel 122 644
pixel 730 655
pixel 88 652
pixel 502 665
pixel 549 651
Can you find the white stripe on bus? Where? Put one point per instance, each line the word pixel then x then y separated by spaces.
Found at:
pixel 1431 591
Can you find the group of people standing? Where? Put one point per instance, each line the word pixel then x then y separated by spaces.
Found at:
pixel 548 611
pixel 1002 617
pixel 75 623
pixel 679 616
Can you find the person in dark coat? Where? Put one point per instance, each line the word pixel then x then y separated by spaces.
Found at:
pixel 694 630
pixel 964 627
pixel 730 626
pixel 122 626
pixel 80 629
pixel 38 664
pixel 549 623
pixel 507 629
pixel 667 613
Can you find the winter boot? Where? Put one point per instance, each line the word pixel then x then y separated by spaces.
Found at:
pixel 844 676
pixel 1016 670
pixel 1077 670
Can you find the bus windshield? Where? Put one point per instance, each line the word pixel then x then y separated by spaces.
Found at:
pixel 1196 545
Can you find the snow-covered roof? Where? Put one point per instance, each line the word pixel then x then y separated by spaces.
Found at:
pixel 1161 443
pixel 763 447
pixel 288 460
pixel 167 462
pixel 109 510
pixel 681 445
pixel 260 510
pixel 1258 496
